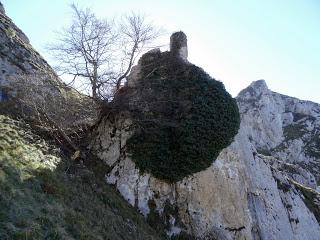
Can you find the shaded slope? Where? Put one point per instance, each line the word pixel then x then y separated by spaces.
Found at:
pixel 46 196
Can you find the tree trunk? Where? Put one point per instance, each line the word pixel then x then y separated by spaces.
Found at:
pixel 95 82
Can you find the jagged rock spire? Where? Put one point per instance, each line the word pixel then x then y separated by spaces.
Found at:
pixel 178 45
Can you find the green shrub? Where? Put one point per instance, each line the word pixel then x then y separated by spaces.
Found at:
pixel 182 117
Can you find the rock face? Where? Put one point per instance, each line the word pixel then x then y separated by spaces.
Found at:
pixel 17 55
pixel 22 68
pixel 263 186
pixel 2 11
pixel 18 58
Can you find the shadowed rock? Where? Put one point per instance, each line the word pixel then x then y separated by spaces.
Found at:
pixel 2 9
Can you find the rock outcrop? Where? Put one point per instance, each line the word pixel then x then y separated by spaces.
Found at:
pixel 2 11
pixel 263 186
pixel 23 71
pixel 17 55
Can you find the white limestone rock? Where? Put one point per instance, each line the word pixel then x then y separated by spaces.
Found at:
pixel 247 193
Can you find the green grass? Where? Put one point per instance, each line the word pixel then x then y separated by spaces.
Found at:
pixel 46 196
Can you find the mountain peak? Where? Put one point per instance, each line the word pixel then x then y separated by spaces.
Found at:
pixel 255 89
pixel 259 84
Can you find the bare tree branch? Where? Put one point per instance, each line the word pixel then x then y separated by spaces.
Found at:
pixel 59 111
pixel 100 53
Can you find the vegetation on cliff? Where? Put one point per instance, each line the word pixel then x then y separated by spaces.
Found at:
pixel 183 118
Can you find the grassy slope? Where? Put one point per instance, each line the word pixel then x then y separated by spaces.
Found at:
pixel 39 200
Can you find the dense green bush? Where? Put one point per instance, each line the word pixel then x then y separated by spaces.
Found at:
pixel 183 118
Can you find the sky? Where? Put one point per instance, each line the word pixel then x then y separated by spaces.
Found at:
pixel 236 42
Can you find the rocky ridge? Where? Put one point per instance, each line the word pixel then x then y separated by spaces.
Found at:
pixel 263 186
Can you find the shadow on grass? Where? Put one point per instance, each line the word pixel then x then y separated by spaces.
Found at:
pixel 44 195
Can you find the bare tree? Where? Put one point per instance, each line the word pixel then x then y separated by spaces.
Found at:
pixel 98 53
pixel 136 34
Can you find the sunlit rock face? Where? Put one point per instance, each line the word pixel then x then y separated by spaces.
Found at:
pixel 285 128
pixel 262 186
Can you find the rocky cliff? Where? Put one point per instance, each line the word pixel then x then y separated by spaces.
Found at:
pixel 25 76
pixel 262 186
pixel 17 55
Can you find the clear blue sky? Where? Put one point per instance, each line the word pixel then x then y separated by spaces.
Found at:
pixel 236 42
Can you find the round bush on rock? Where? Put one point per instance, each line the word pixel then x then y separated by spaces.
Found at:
pixel 182 117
